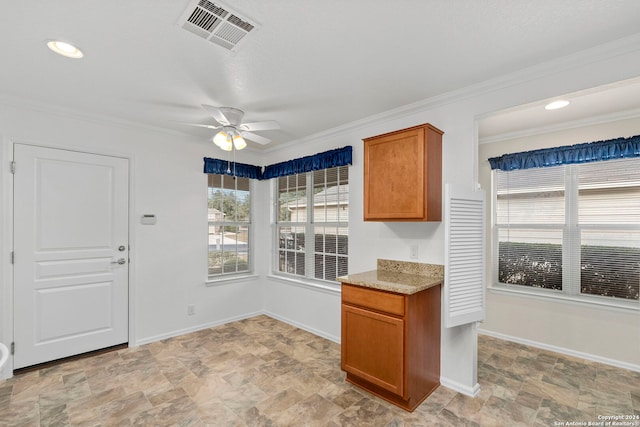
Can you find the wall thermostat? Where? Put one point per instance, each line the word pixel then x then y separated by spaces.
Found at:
pixel 148 219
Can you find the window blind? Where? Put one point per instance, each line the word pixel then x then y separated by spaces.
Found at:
pixel 608 228
pixel 312 223
pixel 572 229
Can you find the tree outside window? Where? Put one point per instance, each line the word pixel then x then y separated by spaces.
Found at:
pixel 229 215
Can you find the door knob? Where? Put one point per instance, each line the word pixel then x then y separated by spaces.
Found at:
pixel 121 248
pixel 120 261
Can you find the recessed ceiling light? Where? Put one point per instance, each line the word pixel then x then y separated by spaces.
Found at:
pixel 65 49
pixel 561 103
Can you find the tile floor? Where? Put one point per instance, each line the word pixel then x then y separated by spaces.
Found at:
pixel 262 372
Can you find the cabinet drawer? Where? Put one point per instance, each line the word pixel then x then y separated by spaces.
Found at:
pixel 376 300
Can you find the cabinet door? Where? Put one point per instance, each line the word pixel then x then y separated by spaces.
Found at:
pixel 394 176
pixel 373 348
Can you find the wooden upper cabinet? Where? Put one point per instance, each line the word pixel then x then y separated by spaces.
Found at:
pixel 403 175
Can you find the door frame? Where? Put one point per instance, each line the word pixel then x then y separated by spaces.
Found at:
pixel 7 239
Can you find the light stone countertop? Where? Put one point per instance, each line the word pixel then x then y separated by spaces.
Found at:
pixel 398 276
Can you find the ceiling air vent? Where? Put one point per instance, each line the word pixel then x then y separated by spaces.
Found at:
pixel 216 22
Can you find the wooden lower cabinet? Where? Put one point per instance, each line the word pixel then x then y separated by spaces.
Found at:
pixel 376 356
pixel 391 343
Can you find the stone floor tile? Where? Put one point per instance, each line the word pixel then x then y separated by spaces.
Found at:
pixel 263 372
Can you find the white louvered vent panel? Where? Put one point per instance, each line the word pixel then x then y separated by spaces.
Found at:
pixel 216 23
pixel 238 22
pixel 204 20
pixel 230 33
pixel 464 256
pixel 211 7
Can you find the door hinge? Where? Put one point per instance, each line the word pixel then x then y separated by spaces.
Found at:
pixel 13 167
pixel 13 258
pixel 13 348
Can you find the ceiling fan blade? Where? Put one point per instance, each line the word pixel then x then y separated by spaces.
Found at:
pixel 266 125
pixel 202 126
pixel 217 114
pixel 255 138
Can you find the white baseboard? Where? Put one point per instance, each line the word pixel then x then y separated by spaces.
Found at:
pixel 304 327
pixel 562 350
pixel 196 328
pixel 200 327
pixel 460 388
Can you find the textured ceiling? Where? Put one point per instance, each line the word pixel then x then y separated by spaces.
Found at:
pixel 311 66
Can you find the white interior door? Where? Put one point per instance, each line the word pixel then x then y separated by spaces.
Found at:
pixel 71 253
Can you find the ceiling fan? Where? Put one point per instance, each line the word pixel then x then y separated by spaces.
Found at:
pixel 233 131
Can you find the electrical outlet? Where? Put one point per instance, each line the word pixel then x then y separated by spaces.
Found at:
pixel 413 251
pixel 191 309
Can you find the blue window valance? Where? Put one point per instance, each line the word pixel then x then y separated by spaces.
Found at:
pixel 580 153
pixel 328 159
pixel 226 167
pixel 325 160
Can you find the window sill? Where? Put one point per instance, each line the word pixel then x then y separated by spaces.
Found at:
pixel 328 287
pixel 561 298
pixel 225 280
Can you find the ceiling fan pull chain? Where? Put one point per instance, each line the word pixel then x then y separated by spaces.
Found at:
pixel 229 155
pixel 234 161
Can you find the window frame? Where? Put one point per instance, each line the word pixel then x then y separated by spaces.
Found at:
pixel 227 276
pixel 309 226
pixel 571 244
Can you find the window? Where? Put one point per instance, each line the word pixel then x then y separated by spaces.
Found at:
pixel 572 229
pixel 229 217
pixel 312 223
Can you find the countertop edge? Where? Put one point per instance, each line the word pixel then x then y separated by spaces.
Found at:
pixel 361 279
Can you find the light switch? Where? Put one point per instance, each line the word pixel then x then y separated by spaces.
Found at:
pixel 413 251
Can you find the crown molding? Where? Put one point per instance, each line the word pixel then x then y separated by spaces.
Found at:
pixel 595 54
pixel 540 130
pixel 578 59
pixel 13 101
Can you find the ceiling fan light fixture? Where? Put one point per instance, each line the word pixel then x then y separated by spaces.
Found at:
pixel 220 138
pixel 239 142
pixel 223 140
pixel 228 138
pixel 232 131
pixel 228 146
